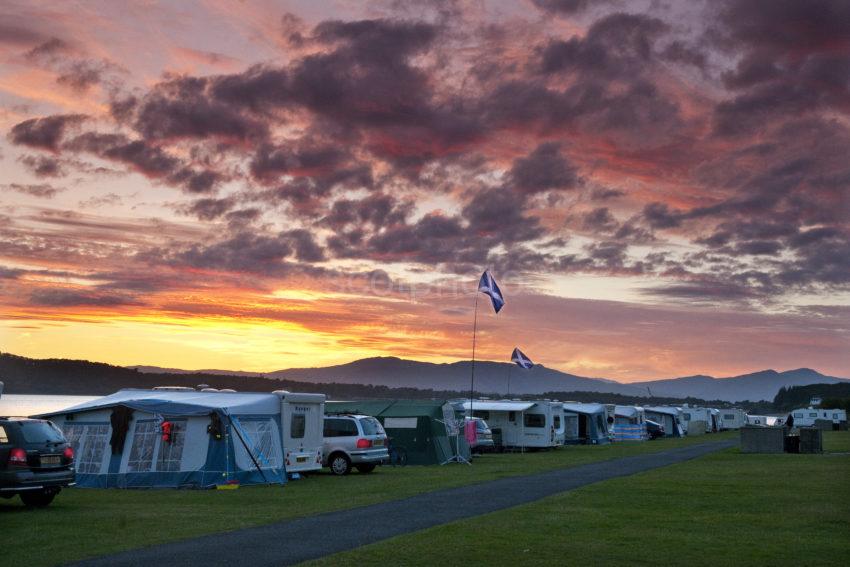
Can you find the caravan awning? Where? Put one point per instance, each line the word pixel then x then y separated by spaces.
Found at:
pixel 488 405
pixel 182 402
pixel 587 409
pixel 667 411
pixel 627 411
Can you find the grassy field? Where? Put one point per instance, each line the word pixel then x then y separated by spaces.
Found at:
pixel 85 522
pixel 724 509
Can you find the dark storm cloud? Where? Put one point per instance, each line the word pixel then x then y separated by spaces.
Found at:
pixel 794 60
pixel 44 133
pixel 543 169
pixel 599 220
pixel 619 45
pixel 50 48
pixel 41 190
pixel 567 7
pixel 270 162
pixel 43 166
pixel 209 209
pixel 63 297
pixel 182 108
pixel 306 249
pixel 149 160
pixel 82 75
pixel 659 215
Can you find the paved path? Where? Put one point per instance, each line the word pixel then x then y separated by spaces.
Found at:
pixel 301 539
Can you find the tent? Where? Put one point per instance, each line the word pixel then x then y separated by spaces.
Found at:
pixel 629 424
pixel 590 422
pixel 163 438
pixel 415 425
pixel 668 417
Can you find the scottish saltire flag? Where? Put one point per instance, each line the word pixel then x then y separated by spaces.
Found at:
pixel 488 285
pixel 521 360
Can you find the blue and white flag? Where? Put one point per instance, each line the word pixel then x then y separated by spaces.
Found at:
pixel 521 360
pixel 488 285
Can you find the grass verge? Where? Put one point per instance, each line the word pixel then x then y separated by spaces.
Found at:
pixel 723 509
pixel 87 522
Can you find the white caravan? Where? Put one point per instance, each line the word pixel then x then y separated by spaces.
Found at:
pixel 302 418
pixel 733 418
pixel 697 415
pixel 523 424
pixel 805 417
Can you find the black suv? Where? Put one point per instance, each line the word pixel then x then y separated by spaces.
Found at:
pixel 36 460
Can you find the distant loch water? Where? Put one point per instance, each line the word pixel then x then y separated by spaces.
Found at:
pixel 25 405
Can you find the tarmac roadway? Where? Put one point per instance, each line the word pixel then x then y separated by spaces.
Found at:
pixel 302 539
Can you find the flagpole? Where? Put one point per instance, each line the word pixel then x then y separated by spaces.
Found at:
pixel 472 374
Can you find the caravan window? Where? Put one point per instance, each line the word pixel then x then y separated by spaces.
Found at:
pixel 145 436
pixel 557 422
pixel 687 416
pixel 728 417
pixel 835 416
pixel 171 454
pixel 297 426
pixel 798 414
pixel 813 414
pixel 89 442
pixel 511 416
pixel 535 420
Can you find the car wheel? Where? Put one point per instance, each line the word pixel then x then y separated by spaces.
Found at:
pixel 365 468
pixel 38 498
pixel 340 464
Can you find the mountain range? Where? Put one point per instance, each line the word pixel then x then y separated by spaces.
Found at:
pixel 492 377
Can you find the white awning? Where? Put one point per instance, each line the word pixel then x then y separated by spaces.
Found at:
pixel 491 405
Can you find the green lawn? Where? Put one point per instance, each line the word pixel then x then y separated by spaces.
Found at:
pixel 723 509
pixel 86 522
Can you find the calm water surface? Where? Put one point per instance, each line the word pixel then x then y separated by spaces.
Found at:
pixel 25 404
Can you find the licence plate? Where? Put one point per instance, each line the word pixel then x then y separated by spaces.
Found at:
pixel 378 443
pixel 50 460
pixel 301 459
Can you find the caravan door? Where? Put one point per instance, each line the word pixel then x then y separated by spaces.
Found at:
pixel 302 418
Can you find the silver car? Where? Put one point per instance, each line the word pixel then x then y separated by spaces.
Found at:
pixel 357 440
pixel 483 436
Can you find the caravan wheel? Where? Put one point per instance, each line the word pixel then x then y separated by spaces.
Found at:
pixel 340 464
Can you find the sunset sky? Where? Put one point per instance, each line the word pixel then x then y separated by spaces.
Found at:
pixel 660 188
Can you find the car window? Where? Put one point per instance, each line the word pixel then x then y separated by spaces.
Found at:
pixel 481 425
pixel 41 432
pixel 340 427
pixel 3 437
pixel 371 426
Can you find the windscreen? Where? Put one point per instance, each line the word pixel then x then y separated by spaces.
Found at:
pixel 371 426
pixel 41 432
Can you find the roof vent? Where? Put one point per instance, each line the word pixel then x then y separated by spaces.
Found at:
pixel 174 389
pixel 228 390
